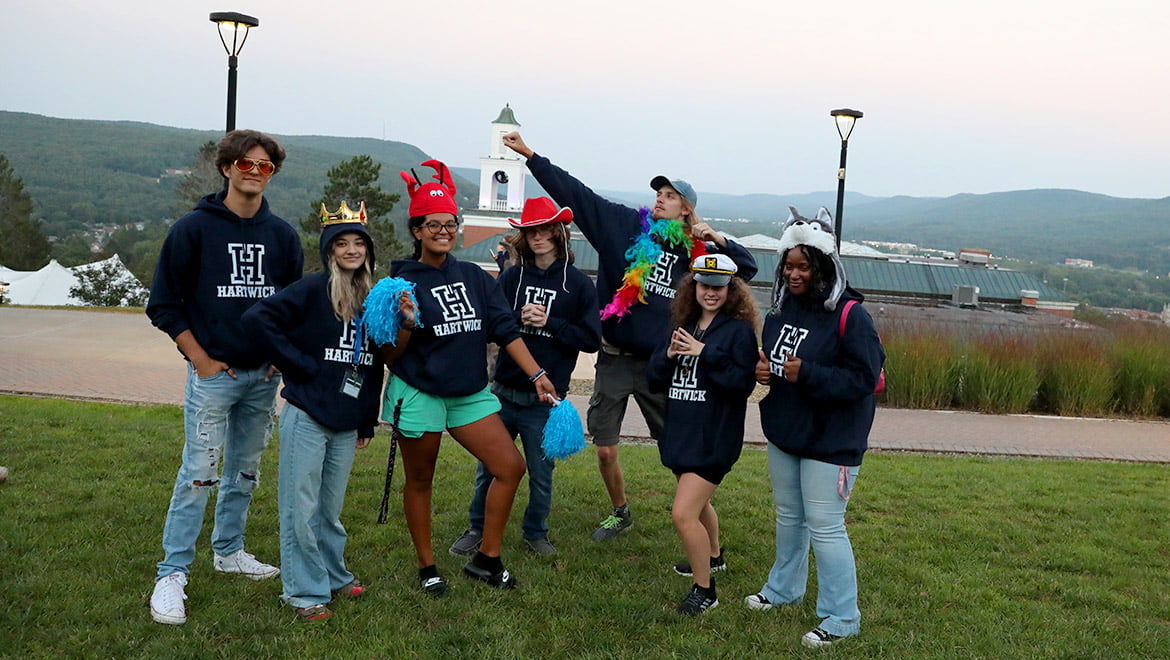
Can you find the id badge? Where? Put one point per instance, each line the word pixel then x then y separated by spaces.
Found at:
pixel 352 386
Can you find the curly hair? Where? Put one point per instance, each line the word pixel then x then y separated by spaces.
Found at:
pixel 740 304
pixel 517 244
pixel 236 144
pixel 822 271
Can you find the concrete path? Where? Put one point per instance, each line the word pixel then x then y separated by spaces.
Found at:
pixel 120 357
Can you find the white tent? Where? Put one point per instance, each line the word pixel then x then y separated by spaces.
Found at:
pixel 51 284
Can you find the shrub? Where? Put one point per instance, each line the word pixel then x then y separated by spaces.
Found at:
pixel 1141 361
pixel 919 366
pixel 998 374
pixel 1076 375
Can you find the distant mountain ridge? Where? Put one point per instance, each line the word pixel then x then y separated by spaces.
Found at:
pixel 84 173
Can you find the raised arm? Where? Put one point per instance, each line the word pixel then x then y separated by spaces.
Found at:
pixel 607 226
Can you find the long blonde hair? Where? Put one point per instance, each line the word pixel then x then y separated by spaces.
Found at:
pixel 348 292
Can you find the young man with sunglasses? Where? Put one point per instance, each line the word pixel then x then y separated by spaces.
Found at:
pixel 218 261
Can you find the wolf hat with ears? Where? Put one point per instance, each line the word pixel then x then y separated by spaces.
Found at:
pixel 431 197
pixel 818 235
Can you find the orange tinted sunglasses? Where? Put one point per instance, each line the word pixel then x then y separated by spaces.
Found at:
pixel 265 167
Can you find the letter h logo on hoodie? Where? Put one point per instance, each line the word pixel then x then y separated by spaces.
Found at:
pixel 788 342
pixel 247 263
pixel 686 375
pixel 540 296
pixel 454 301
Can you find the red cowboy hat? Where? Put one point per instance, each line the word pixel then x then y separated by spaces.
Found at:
pixel 541 211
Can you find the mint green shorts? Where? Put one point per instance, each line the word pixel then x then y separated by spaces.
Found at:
pixel 423 413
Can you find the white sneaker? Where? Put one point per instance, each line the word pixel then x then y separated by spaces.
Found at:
pixel 166 603
pixel 819 638
pixel 246 564
pixel 758 602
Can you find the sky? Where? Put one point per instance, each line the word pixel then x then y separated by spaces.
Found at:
pixel 734 96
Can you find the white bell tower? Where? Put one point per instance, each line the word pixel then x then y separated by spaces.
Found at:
pixel 501 172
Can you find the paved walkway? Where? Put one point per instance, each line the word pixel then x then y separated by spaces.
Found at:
pixel 121 357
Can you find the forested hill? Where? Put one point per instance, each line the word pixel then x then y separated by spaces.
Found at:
pixel 83 174
pixel 1044 226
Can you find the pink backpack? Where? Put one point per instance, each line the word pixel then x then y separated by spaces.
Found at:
pixel 881 384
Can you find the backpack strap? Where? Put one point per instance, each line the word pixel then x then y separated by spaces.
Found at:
pixel 844 317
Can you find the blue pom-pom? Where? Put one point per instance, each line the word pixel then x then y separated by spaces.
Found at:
pixel 563 433
pixel 383 315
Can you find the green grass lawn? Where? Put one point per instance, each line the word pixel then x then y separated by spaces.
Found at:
pixel 957 557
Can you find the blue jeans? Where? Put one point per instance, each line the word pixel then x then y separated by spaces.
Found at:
pixel 809 504
pixel 528 421
pixel 227 420
pixel 314 471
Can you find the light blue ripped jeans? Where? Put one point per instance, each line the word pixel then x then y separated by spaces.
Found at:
pixel 227 421
pixel 810 499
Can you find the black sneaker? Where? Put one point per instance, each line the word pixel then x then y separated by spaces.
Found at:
pixel 817 638
pixel 433 585
pixel 699 600
pixel 717 564
pixel 617 522
pixel 500 580
pixel 467 543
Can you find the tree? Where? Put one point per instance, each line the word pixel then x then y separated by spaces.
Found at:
pixel 138 246
pixel 204 179
pixel 23 245
pixel 108 285
pixel 355 181
pixel 73 251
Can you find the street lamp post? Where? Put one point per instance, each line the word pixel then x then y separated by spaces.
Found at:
pixel 231 25
pixel 845 119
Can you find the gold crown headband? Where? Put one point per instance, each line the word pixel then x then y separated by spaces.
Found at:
pixel 343 215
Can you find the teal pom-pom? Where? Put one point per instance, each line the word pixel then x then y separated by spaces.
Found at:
pixel 383 315
pixel 563 433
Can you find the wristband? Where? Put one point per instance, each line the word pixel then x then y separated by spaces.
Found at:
pixel 536 376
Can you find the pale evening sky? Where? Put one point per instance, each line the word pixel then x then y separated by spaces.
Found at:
pixel 732 95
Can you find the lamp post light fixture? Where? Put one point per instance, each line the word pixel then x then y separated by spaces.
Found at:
pixel 233 30
pixel 845 119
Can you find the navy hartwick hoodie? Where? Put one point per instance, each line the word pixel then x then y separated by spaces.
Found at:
pixel 213 266
pixel 827 413
pixel 315 351
pixel 573 326
pixel 706 397
pixel 461 309
pixel 611 229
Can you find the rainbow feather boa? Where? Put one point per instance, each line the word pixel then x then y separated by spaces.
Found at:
pixel 643 257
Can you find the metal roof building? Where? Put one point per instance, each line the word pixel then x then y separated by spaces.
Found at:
pixel 891 276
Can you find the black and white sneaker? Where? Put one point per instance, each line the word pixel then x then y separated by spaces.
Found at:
pixel 432 583
pixel 717 564
pixel 818 638
pixel 699 600
pixel 501 579
pixel 758 602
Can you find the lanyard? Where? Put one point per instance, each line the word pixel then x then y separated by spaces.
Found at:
pixel 357 341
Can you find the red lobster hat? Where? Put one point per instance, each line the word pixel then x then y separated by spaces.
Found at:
pixel 431 197
pixel 541 211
